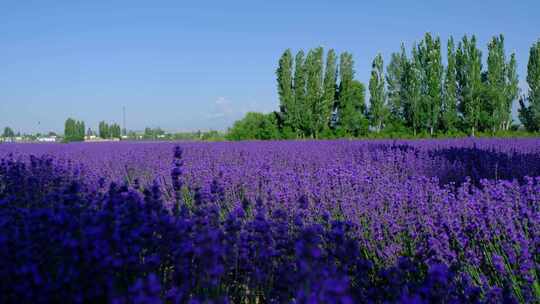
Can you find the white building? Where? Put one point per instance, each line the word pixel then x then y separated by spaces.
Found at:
pixel 47 139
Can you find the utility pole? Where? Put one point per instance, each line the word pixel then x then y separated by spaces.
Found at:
pixel 124 131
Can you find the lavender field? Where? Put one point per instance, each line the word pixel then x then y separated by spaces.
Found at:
pixel 425 221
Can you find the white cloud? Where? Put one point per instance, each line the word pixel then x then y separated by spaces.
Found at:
pixel 223 108
pixel 221 100
pixel 215 115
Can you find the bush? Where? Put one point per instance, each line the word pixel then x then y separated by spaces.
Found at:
pixel 255 126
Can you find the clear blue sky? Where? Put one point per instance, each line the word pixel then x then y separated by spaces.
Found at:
pixel 186 65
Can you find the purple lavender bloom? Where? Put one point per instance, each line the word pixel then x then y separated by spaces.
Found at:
pixel 453 221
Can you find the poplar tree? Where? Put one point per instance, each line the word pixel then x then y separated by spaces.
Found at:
pixel 469 67
pixel 394 80
pixel 345 108
pixel 329 96
pixel 529 112
pixel 434 76
pixel 103 129
pixel 496 83
pixel 449 110
pixel 80 130
pixel 358 124
pixel 431 70
pixel 419 56
pixel 314 90
pixel 377 109
pixel 69 130
pixel 285 87
pixel 411 92
pixel 533 80
pixel 115 131
pixel 299 94
pixel 8 133
pixel 511 90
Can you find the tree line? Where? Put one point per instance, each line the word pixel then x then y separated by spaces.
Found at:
pixel 8 133
pixel 109 131
pixel 424 95
pixel 74 130
pixel 320 96
pixel 416 94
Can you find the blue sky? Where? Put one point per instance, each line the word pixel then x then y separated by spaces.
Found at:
pixel 187 65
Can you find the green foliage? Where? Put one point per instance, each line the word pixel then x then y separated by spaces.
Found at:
pixel 212 135
pixel 115 131
pixel 297 124
pixel 159 134
pixel 431 74
pixel 501 85
pixel 312 109
pixel 417 97
pixel 529 112
pixel 284 74
pixel 74 130
pixel 326 106
pixel 526 115
pixel 353 121
pixel 153 133
pixel 394 79
pixel 288 133
pixel 533 80
pixel 424 95
pixel 411 93
pixel 187 135
pixel 345 100
pixel 469 75
pixel 255 126
pixel 511 90
pixel 312 104
pixel 351 110
pixel 394 129
pixel 496 81
pixel 103 130
pixel 449 108
pixel 8 133
pixel 377 101
pixel 107 131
